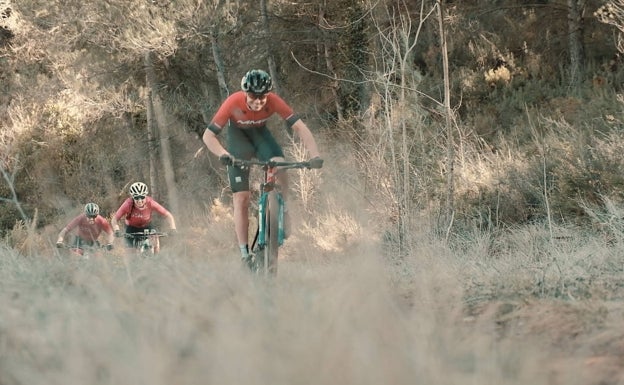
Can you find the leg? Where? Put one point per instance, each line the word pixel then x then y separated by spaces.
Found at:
pixel 240 145
pixel 241 216
pixel 156 243
pixel 239 182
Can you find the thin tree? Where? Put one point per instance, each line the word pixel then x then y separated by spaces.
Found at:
pixel 402 120
pixel 224 91
pixel 150 126
pixel 269 43
pixel 329 63
pixel 576 8
pixel 164 134
pixel 9 178
pixel 449 122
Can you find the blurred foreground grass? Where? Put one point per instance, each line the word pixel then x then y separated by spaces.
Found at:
pixel 509 308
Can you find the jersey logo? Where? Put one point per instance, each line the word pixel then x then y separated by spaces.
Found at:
pixel 250 122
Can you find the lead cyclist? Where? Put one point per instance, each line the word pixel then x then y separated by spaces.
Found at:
pixel 247 112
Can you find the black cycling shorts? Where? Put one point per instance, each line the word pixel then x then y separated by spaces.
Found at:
pixel 247 144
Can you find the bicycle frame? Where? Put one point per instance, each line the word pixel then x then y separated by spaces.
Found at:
pixel 270 232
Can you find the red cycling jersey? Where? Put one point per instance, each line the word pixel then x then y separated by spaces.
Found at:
pixel 235 109
pixel 139 217
pixel 87 230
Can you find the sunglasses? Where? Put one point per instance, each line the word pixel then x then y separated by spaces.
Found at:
pixel 253 96
pixel 91 217
pixel 139 197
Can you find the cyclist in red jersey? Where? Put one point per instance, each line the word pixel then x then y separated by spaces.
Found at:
pixel 137 213
pixel 247 112
pixel 90 224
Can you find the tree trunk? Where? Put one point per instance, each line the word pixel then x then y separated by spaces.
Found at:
pixel 449 209
pixel 354 36
pixel 577 49
pixel 149 112
pixel 330 65
pixel 216 55
pixel 163 129
pixel 266 32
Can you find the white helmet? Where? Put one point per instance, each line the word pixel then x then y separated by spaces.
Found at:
pixel 91 210
pixel 138 189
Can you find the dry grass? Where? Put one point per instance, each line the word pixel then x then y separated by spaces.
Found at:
pixel 522 305
pixel 528 304
pixel 512 307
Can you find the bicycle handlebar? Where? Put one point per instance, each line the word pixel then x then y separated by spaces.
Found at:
pixel 142 234
pixel 84 247
pixel 242 163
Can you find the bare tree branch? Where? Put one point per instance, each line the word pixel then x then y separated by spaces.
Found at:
pixel 10 180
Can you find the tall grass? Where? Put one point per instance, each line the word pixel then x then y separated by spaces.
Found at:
pixel 500 307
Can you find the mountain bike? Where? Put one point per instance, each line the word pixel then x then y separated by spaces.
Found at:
pixel 270 232
pixel 147 242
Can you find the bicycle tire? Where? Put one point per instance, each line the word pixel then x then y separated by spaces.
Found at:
pixel 271 234
pixel 145 249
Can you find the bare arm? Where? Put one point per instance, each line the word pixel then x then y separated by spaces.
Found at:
pixel 213 144
pixel 306 136
pixel 114 224
pixel 110 237
pixel 171 220
pixel 61 235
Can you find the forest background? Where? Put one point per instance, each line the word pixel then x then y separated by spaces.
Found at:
pixel 483 135
pixel 524 127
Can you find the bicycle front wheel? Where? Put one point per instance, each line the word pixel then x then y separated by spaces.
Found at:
pixel 271 234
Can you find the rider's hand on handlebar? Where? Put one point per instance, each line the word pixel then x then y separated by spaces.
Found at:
pixel 59 245
pixel 316 162
pixel 226 159
pixel 117 234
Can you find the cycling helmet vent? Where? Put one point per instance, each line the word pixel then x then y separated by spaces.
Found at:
pixel 257 82
pixel 91 210
pixel 138 189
